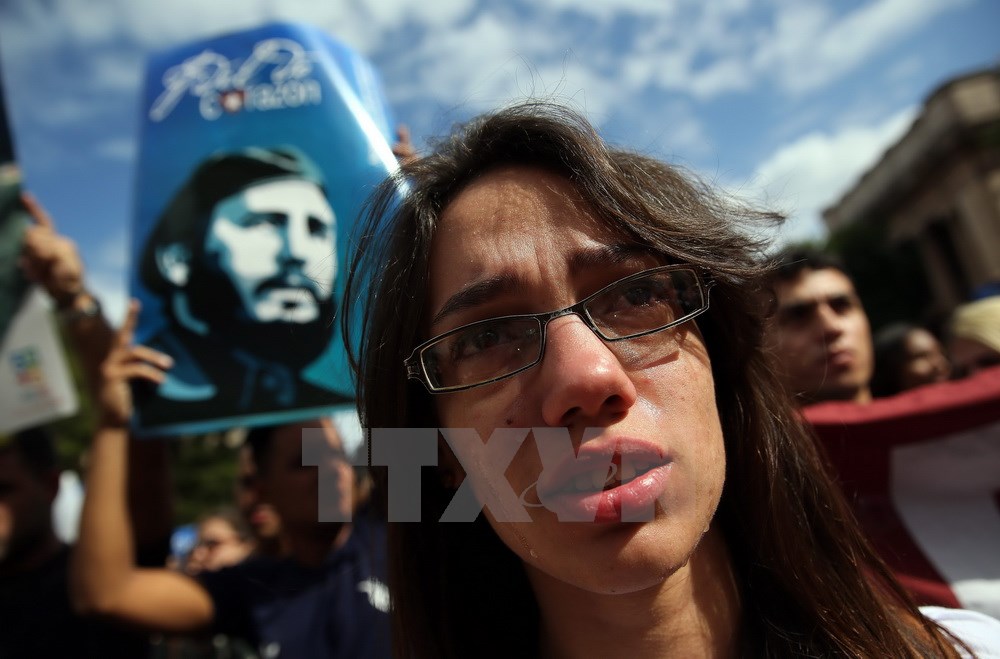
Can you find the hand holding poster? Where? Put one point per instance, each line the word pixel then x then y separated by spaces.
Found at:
pixel 258 150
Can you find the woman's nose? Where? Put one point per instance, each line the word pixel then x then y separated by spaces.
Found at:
pixel 582 378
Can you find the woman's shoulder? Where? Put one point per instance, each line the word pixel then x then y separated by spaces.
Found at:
pixel 978 630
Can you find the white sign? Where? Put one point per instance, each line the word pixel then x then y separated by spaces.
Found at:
pixel 35 383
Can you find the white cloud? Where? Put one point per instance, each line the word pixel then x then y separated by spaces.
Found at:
pixel 107 275
pixel 710 49
pixel 436 14
pixel 65 110
pixel 704 49
pixel 71 62
pixel 718 48
pixel 904 69
pixel 499 56
pixel 722 76
pixel 111 289
pixel 605 11
pixel 480 65
pixel 803 177
pixel 808 48
pixel 117 148
pixel 577 84
pixel 95 24
pixel 116 70
pixel 32 28
pixel 685 134
pixel 674 132
pixel 113 254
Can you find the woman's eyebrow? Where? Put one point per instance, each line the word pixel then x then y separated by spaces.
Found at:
pixel 604 255
pixel 488 289
pixel 476 294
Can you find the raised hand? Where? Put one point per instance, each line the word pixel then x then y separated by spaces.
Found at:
pixel 125 363
pixel 49 258
pixel 403 148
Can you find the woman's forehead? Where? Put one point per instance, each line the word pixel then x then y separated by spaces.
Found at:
pixel 509 206
pixel 521 229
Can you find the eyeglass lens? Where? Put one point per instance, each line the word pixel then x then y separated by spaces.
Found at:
pixel 491 349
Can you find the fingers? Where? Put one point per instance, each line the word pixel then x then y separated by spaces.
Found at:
pixel 135 368
pixel 403 148
pixel 123 366
pixel 127 363
pixel 49 258
pixel 37 212
pixel 127 330
pixel 155 357
pixel 38 242
pixel 37 253
pixel 135 361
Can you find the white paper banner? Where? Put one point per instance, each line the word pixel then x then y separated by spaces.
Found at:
pixel 35 383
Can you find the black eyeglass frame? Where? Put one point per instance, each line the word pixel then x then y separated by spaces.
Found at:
pixel 416 370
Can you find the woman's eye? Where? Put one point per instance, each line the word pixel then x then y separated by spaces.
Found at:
pixel 477 340
pixel 484 339
pixel 639 295
pixel 489 337
pixel 643 294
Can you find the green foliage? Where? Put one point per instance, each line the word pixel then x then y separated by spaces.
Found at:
pixel 889 278
pixel 73 434
pixel 204 469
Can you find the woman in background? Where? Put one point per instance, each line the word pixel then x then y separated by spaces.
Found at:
pixel 223 539
pixel 906 357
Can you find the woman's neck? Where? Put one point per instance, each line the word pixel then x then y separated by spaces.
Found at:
pixel 695 612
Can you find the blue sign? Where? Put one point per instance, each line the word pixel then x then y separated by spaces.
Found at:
pixel 257 152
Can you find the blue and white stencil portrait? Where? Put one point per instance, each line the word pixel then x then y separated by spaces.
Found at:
pixel 257 152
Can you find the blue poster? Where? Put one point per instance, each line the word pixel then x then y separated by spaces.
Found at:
pixel 257 152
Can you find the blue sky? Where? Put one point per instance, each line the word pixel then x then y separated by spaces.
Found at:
pixel 782 101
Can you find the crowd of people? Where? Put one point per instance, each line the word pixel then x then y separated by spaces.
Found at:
pixel 531 276
pixel 824 346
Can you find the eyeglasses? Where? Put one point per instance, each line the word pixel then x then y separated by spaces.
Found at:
pixel 490 350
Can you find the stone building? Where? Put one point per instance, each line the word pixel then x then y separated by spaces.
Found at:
pixel 938 188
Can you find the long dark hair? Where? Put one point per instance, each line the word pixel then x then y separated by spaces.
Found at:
pixel 810 584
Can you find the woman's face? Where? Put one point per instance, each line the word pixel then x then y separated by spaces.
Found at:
pixel 521 240
pixel 925 361
pixel 219 545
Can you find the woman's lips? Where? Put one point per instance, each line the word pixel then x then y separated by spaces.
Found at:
pixel 596 487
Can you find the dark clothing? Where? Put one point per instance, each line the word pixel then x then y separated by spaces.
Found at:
pixel 36 620
pixel 339 610
pixel 214 381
